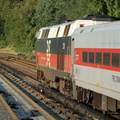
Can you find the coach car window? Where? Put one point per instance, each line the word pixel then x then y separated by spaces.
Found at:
pixel 67 27
pixel 91 57
pixel 106 58
pixel 115 59
pixel 98 58
pixel 84 56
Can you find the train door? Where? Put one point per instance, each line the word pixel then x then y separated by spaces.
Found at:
pixel 60 60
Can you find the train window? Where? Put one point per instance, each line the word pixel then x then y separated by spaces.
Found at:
pixel 106 59
pixel 58 31
pixel 98 58
pixel 84 56
pixel 67 27
pixel 43 33
pixel 91 57
pixel 46 33
pixel 115 59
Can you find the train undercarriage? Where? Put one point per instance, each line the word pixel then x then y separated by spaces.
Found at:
pixel 98 101
pixel 65 86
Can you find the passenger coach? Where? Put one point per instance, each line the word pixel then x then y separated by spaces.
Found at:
pixel 97 65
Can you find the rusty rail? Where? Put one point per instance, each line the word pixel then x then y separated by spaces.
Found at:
pixel 19 68
pixel 24 64
pixel 18 56
pixel 8 109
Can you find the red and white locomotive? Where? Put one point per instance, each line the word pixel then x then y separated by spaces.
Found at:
pixel 82 62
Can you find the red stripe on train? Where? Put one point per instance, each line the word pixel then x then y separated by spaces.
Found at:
pixel 78 59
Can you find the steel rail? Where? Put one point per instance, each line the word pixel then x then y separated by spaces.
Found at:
pixel 19 68
pixel 8 109
pixel 24 64
pixel 19 57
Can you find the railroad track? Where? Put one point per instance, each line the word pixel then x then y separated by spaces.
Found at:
pixel 36 108
pixel 16 100
pixel 7 56
pixel 39 97
pixel 28 80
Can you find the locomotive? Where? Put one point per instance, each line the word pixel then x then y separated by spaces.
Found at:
pixel 81 59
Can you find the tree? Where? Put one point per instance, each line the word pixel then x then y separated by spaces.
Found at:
pixel 18 23
pixel 113 7
pixel 20 19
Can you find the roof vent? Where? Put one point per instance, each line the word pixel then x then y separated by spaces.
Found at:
pixel 100 18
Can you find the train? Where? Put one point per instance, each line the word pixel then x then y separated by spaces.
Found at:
pixel 81 59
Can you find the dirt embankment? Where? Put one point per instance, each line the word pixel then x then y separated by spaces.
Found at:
pixel 8 51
